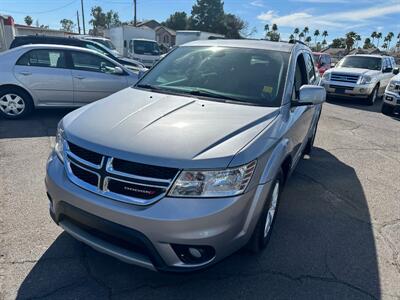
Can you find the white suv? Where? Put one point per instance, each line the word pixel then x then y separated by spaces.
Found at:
pixel 359 76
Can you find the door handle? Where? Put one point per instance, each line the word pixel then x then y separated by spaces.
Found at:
pixel 25 73
pixel 79 77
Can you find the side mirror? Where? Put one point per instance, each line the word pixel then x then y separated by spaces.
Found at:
pixel 310 95
pixel 396 71
pixel 142 72
pixel 118 71
pixel 387 70
pixel 333 65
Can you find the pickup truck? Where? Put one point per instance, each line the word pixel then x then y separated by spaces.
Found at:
pixel 359 76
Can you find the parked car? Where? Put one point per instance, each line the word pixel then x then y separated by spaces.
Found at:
pixel 34 76
pixel 103 41
pixel 84 43
pixel 323 61
pixel 188 165
pixel 361 76
pixel 391 99
pixel 145 51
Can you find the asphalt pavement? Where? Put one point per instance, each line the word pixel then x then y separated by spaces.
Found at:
pixel 337 233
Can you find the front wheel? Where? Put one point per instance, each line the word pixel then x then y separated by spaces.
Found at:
pixel 14 103
pixel 387 109
pixel 374 95
pixel 263 230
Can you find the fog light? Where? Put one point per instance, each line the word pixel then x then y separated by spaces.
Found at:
pixel 194 254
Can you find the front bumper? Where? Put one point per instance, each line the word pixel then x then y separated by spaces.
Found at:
pixel 392 98
pixel 343 89
pixel 225 224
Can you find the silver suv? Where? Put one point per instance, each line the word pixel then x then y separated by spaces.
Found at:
pixel 187 166
pixel 360 76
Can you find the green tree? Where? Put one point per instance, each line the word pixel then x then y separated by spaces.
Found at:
pixel 325 34
pixel 301 35
pixel 208 15
pixel 350 40
pixel 98 17
pixel 308 40
pixel 316 34
pixel 373 35
pixel 306 31
pixel 357 39
pixel 385 45
pixel 112 19
pixel 291 37
pixel 338 43
pixel 177 21
pixel 28 20
pixel 234 26
pixel 367 43
pixel 67 25
pixel 273 35
pixel 389 37
pixel 266 29
pixel 324 42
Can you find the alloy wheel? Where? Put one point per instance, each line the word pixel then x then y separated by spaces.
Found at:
pixel 12 104
pixel 271 209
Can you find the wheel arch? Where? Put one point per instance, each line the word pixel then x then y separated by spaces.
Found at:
pixel 17 87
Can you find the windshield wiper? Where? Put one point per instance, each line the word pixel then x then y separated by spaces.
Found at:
pixel 206 93
pixel 148 86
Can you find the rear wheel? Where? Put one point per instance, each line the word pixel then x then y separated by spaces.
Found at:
pixel 387 109
pixel 15 103
pixel 373 96
pixel 263 230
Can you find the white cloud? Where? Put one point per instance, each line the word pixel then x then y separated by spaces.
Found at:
pixel 257 3
pixel 353 18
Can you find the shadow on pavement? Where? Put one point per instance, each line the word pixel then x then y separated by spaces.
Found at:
pixel 322 247
pixel 357 103
pixel 42 122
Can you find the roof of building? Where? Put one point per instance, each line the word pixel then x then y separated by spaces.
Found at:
pixel 169 30
pixel 42 29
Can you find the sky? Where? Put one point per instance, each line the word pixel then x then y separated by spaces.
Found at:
pixel 335 16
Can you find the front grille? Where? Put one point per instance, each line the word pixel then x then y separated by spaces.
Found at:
pixel 85 154
pixel 84 175
pixel 344 77
pixel 341 87
pixel 115 178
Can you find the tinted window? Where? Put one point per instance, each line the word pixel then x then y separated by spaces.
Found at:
pixel 91 62
pixel 361 62
pixel 309 67
pixel 146 47
pixel 43 58
pixel 244 75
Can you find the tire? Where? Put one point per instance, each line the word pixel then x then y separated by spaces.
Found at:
pixel 374 95
pixel 15 103
pixel 387 109
pixel 262 234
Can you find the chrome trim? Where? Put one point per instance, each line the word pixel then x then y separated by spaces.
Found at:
pixel 80 182
pixel 110 169
pixel 81 160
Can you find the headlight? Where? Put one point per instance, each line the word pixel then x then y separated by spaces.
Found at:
pixel 326 76
pixel 392 86
pixel 59 145
pixel 213 183
pixel 365 79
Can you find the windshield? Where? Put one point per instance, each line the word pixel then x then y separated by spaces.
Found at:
pixel 146 48
pixel 249 76
pixel 316 58
pixel 361 62
pixel 105 43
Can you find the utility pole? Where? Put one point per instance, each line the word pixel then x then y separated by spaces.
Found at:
pixel 83 18
pixel 77 19
pixel 134 13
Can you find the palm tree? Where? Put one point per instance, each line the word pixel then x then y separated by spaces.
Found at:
pixel 385 46
pixel 324 42
pixel 316 34
pixel 389 36
pixel 373 35
pixel 291 37
pixel 274 27
pixel 306 30
pixel 325 34
pixel 301 35
pixel 378 37
pixel 357 38
pixel 308 40
pixel 296 32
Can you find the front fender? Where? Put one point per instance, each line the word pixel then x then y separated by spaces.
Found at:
pixel 275 161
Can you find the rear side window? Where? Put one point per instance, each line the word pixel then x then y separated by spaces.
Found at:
pixel 309 67
pixel 43 58
pixel 93 63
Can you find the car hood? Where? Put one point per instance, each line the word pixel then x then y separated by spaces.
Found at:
pixel 356 71
pixel 168 130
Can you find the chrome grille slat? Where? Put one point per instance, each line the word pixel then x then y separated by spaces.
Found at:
pixel 344 77
pixel 134 184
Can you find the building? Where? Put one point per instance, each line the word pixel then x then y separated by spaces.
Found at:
pixel 33 30
pixel 164 36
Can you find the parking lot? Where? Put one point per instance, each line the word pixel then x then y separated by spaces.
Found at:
pixel 337 233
